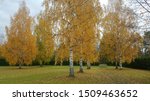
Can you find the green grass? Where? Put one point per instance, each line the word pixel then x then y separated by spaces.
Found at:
pixel 59 75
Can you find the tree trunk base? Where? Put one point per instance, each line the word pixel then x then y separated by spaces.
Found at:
pixel 116 68
pixel 88 67
pixel 20 66
pixel 71 72
pixel 41 64
pixel 81 71
pixel 121 69
pixel 71 76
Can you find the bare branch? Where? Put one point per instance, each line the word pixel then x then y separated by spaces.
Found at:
pixel 143 6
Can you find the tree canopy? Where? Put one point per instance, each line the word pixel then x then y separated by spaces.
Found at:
pixel 20 47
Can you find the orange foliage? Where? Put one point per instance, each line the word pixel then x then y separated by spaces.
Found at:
pixel 45 42
pixel 20 47
pixel 119 44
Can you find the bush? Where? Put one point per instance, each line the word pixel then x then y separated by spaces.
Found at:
pixel 140 63
pixel 3 62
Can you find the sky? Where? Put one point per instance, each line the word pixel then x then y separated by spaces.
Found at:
pixel 9 7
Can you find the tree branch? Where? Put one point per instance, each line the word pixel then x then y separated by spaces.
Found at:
pixel 143 6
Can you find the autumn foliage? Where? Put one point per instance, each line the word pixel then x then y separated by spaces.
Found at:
pixel 120 43
pixel 45 42
pixel 75 31
pixel 20 47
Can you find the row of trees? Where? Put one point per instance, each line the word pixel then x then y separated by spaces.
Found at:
pixel 74 30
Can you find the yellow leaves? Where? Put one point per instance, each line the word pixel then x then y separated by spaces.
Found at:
pixel 20 47
pixel 45 42
pixel 118 42
pixel 0 50
pixel 77 22
pixel 61 53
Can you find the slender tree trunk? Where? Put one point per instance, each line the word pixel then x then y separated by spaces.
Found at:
pixel 120 63
pixel 81 65
pixel 41 63
pixel 71 71
pixel 20 66
pixel 88 65
pixel 81 59
pixel 116 63
pixel 61 63
pixel 55 60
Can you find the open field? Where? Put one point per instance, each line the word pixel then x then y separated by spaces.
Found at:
pixel 59 75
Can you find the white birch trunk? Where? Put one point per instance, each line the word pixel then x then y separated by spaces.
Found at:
pixel 120 63
pixel 116 63
pixel 88 65
pixel 20 66
pixel 55 61
pixel 81 65
pixel 81 60
pixel 61 62
pixel 41 63
pixel 71 72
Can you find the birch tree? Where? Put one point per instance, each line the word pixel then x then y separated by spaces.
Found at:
pixel 119 43
pixel 45 42
pixel 91 14
pixel 20 47
pixel 74 18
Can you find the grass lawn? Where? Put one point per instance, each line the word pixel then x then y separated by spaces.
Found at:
pixel 59 75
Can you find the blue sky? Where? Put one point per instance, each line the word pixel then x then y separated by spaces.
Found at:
pixel 9 7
